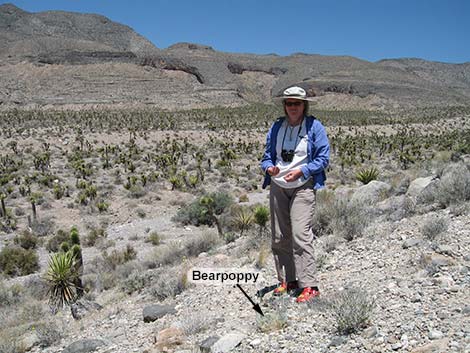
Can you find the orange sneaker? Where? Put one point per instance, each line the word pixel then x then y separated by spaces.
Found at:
pixel 307 294
pixel 285 287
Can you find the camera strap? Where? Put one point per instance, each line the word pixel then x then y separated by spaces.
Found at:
pixel 297 137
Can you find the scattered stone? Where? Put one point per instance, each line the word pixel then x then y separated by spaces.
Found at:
pixel 435 335
pixel 371 193
pixel 255 343
pixel 370 332
pixel 29 341
pixel 337 341
pixel 206 345
pixel 396 346
pixel 83 307
pixel 155 312
pixel 228 342
pixel 84 346
pixel 438 346
pixel 418 185
pixel 170 337
pixel 410 243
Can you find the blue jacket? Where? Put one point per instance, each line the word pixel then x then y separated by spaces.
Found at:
pixel 318 152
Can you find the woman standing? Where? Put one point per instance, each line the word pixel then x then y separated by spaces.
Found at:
pixel 297 153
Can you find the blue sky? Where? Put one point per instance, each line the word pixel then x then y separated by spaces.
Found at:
pixel 437 30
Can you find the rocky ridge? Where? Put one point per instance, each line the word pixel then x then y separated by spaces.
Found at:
pixel 60 58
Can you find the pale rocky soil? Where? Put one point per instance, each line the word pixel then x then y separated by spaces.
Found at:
pixel 420 306
pixel 415 310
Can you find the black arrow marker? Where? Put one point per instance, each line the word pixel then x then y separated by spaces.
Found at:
pixel 255 306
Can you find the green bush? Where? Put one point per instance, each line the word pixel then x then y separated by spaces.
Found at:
pixel 202 210
pixel 53 245
pixel 119 257
pixel 26 240
pixel 261 215
pixel 154 238
pixel 16 261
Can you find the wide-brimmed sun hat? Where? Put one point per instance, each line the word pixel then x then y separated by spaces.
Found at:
pixel 294 92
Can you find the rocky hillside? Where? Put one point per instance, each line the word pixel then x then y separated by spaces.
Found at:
pixel 62 58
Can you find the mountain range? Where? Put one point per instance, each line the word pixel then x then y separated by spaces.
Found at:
pixel 74 59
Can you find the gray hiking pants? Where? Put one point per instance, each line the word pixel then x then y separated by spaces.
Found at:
pixel 292 236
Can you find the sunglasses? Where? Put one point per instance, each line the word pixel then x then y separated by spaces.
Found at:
pixel 290 104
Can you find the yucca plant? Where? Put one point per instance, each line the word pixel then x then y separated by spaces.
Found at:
pixel 366 175
pixel 261 214
pixel 243 219
pixel 61 277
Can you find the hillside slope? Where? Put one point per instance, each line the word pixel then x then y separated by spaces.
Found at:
pixel 56 57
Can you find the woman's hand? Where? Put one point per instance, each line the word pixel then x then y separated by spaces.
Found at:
pixel 293 175
pixel 273 171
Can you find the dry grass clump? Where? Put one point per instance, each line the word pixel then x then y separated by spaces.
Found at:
pixel 119 257
pixel 275 320
pixel 352 310
pixel 16 261
pixel 173 252
pixel 339 216
pixel 434 226
pixel 168 283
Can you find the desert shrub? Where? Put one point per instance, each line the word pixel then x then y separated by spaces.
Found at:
pixel 119 257
pixel 230 237
pixel 166 255
pixel 433 226
pixel 136 281
pixel 16 261
pixel 201 243
pixel 196 323
pixel 141 213
pixel 10 295
pixel 274 320
pixel 452 189
pixel 53 245
pixel 203 210
pixel 348 219
pixel 331 243
pixel 167 284
pixel 93 236
pixel 36 287
pixel 263 255
pixel 154 238
pixel 454 186
pixel 261 217
pixel 136 191
pixel 26 240
pixel 321 222
pixel 48 333
pixel 366 175
pixel 42 227
pixel 102 206
pixel 352 310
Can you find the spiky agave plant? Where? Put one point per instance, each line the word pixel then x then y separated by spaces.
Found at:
pixel 62 276
pixel 366 175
